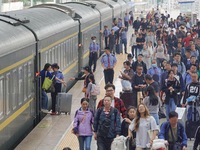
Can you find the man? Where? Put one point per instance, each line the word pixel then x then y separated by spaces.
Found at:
pixel 172 42
pixel 149 80
pixel 115 102
pixel 138 82
pixel 136 24
pixel 165 73
pixel 126 19
pixel 181 66
pixel 173 131
pixel 194 61
pixel 187 77
pixel 107 124
pixel 108 63
pixel 106 34
pixel 186 59
pixel 94 48
pixel 198 45
pixel 192 89
pixel 112 40
pixel 140 43
pixel 123 36
pixel 187 39
pixel 155 72
pixel 180 49
pixel 139 62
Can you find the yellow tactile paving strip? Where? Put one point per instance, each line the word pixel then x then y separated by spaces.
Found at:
pixel 69 139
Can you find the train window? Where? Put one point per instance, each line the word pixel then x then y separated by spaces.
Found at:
pixel 25 81
pixel 20 85
pixel 68 51
pixel 59 57
pixel 64 55
pixel 1 96
pixel 30 83
pixel 56 54
pixel 14 89
pixel 50 56
pixel 46 57
pixel 8 93
pixel 53 56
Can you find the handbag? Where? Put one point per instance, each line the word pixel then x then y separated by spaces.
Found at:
pixel 75 129
pixel 176 145
pixel 47 82
pixel 84 89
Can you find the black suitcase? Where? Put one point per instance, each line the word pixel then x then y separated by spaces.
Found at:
pixel 192 125
pixel 128 98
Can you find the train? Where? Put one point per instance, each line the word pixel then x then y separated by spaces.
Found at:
pixel 46 33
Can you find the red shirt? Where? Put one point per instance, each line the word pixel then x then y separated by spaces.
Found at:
pixel 186 41
pixel 119 105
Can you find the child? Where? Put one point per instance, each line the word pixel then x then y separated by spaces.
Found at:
pixel 131 111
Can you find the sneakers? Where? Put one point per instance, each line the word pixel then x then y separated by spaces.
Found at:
pixel 44 110
pixel 54 113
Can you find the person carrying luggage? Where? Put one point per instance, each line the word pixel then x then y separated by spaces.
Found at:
pixel 174 132
pixel 131 112
pixel 107 125
pixel 82 126
pixel 57 85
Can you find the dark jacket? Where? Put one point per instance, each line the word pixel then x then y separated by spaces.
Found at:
pixel 165 129
pixel 119 105
pixel 115 126
pixel 134 66
pixel 176 86
pixel 85 78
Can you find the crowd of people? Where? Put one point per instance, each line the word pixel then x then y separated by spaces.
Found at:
pixel 162 72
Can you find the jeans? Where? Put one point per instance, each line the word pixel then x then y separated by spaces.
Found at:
pixel 44 100
pixel 159 61
pixel 156 117
pixel 139 51
pixel 171 106
pixel 124 41
pixel 84 142
pixel 103 143
pixel 134 50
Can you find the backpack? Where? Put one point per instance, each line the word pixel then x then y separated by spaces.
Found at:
pixel 119 143
pixel 95 90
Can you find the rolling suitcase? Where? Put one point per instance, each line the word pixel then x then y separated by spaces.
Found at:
pixel 64 103
pixel 128 98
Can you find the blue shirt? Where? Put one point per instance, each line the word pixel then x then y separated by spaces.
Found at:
pixel 59 75
pixel 94 47
pixel 112 59
pixel 106 33
pixel 155 70
pixel 195 54
pixel 119 24
pixel 126 18
pixel 124 35
pixel 187 78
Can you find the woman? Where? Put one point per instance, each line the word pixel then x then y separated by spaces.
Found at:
pixel 152 102
pixel 142 124
pixel 45 73
pixel 83 121
pixel 57 86
pixel 131 112
pixel 163 65
pixel 160 53
pixel 133 44
pixel 90 88
pixel 147 56
pixel 171 87
pixel 87 72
